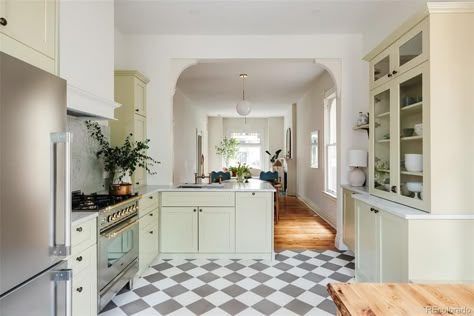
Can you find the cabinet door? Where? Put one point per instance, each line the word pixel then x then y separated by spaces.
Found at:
pixel 393 249
pixel 140 97
pixel 148 249
pixel 412 146
pixel 179 230
pixel 253 222
pixel 139 176
pixel 216 229
pixel 367 243
pixel 380 68
pixel 412 48
pixel 381 153
pixel 32 23
pixel 349 220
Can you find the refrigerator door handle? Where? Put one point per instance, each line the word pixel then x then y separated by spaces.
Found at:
pixel 60 240
pixel 63 286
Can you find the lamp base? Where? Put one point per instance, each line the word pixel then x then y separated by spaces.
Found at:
pixel 356 177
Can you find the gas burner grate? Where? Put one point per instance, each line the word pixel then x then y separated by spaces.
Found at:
pixel 92 202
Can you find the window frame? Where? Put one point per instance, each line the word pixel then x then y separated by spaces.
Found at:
pixel 260 132
pixel 330 100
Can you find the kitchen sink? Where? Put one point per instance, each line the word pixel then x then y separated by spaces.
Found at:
pixel 200 186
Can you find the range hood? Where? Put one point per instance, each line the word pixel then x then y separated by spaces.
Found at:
pixel 81 103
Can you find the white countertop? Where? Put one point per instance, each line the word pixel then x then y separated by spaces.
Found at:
pixel 81 217
pixel 360 190
pixel 229 185
pixel 405 211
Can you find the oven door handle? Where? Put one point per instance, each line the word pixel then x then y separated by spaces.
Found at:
pixel 117 232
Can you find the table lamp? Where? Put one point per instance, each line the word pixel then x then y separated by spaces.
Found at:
pixel 357 160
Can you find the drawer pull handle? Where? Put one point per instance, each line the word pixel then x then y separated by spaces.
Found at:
pixel 79 229
pixel 374 210
pixel 79 289
pixel 79 258
pixel 3 21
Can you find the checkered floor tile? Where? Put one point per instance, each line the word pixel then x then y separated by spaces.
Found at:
pixel 293 284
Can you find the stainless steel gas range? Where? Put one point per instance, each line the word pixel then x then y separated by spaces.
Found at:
pixel 118 242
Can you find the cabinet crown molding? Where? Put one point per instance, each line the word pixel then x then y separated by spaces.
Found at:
pixel 134 73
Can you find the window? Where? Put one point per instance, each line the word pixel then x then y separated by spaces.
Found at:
pixel 330 137
pixel 250 149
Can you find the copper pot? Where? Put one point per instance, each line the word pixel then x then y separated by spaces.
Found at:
pixel 120 189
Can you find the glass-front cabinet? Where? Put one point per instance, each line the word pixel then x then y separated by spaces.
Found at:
pixel 404 54
pixel 399 108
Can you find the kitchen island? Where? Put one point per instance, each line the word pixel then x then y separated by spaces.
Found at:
pixel 232 220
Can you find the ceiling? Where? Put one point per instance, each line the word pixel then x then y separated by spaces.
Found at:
pixel 255 17
pixel 271 86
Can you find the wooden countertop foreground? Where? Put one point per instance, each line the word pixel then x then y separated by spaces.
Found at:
pixel 402 299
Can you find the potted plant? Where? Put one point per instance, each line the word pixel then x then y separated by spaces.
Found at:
pixel 121 162
pixel 228 148
pixel 242 171
pixel 274 157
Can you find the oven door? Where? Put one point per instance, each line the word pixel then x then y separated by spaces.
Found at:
pixel 118 247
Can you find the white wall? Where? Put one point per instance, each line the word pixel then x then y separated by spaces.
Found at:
pixel 164 58
pixel 86 46
pixel 310 117
pixel 270 129
pixel 187 120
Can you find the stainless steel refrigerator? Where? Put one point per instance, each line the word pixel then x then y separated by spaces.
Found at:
pixel 34 192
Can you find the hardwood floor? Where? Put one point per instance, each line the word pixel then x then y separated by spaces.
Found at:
pixel 300 228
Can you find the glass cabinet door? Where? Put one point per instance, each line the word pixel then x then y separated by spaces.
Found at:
pixel 380 68
pixel 411 49
pixel 381 174
pixel 411 103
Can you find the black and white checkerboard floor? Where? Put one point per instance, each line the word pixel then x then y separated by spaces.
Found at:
pixel 293 284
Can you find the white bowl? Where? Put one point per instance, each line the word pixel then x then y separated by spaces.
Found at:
pixel 415 186
pixel 414 162
pixel 418 129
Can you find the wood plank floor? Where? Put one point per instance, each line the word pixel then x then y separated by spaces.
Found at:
pixel 300 228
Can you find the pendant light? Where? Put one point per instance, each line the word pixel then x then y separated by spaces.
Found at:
pixel 243 107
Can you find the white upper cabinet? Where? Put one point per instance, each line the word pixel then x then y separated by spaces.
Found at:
pixel 405 53
pixel 421 112
pixel 28 31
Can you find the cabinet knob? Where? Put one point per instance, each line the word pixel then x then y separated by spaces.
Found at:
pixel 79 258
pixel 151 232
pixel 137 110
pixel 150 197
pixel 79 289
pixel 374 210
pixel 389 75
pixel 253 193
pixel 194 210
pixel 394 189
pixel 79 229
pixel 200 210
pixel 3 21
pixel 137 183
pixel 151 214
pixel 394 72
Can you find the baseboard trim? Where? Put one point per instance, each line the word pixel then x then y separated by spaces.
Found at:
pixel 317 210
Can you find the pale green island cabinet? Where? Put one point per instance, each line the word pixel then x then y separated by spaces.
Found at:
pixel 231 223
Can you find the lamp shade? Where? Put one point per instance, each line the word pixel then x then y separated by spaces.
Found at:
pixel 243 108
pixel 357 158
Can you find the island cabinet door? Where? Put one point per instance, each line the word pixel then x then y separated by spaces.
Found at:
pixel 253 219
pixel 216 229
pixel 179 230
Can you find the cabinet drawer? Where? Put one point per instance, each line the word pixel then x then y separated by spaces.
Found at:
pixel 83 260
pixel 149 218
pixel 84 294
pixel 148 201
pixel 198 199
pixel 83 236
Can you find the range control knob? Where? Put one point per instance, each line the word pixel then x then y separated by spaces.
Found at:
pixel 109 218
